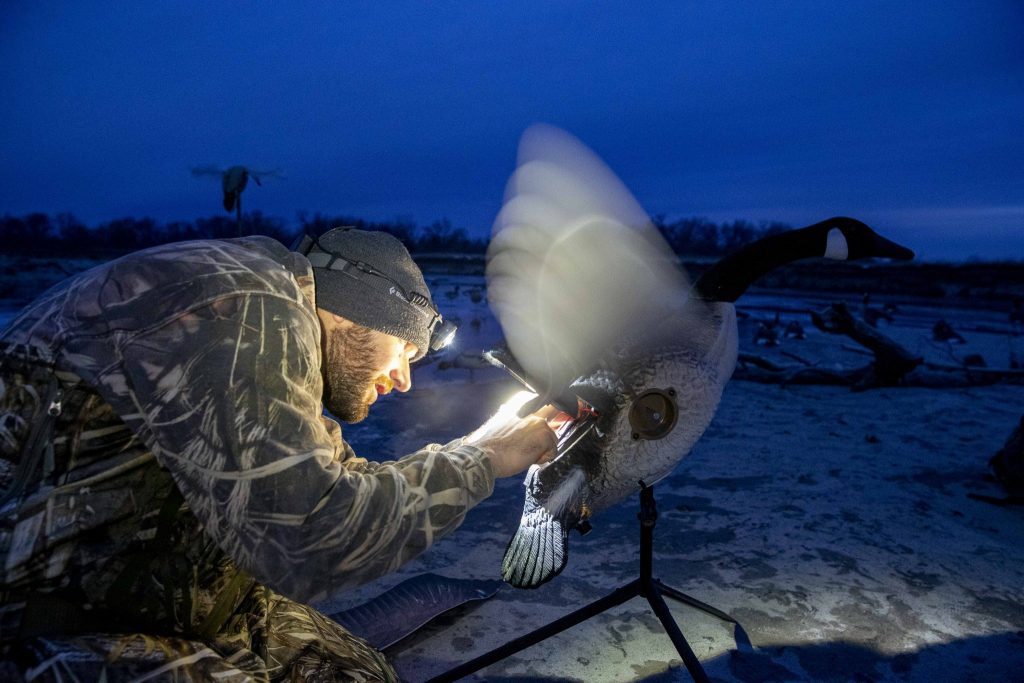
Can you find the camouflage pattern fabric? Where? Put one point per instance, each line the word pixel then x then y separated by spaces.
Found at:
pixel 277 640
pixel 193 492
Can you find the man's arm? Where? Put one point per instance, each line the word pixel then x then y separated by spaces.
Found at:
pixel 230 396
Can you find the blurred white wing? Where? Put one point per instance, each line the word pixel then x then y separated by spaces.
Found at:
pixel 574 266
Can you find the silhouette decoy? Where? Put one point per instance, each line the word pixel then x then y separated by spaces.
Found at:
pixel 942 331
pixel 233 181
pixel 872 314
pixel 767 333
pixel 452 294
pixel 794 330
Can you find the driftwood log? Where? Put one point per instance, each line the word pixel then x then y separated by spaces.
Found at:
pixel 754 368
pixel 892 365
pixel 892 361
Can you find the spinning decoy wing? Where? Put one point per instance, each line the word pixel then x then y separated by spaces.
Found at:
pixel 575 266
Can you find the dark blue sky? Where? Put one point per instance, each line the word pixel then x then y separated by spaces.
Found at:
pixel 909 116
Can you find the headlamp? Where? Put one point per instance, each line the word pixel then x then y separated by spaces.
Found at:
pixel 442 331
pixel 442 334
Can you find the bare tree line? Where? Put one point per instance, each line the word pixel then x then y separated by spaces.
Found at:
pixel 63 233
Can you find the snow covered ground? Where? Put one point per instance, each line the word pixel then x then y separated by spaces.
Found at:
pixel 835 526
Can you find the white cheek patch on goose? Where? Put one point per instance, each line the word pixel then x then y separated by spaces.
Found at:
pixel 836 247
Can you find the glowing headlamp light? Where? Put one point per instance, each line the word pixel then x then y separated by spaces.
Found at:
pixel 442 334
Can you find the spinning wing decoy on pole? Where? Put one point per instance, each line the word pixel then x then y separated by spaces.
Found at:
pixel 599 317
pixel 574 266
pixel 233 182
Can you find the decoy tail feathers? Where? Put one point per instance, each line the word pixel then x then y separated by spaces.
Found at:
pixel 539 550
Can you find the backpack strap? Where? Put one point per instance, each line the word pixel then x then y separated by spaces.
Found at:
pixel 37 446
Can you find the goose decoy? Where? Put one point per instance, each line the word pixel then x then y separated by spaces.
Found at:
pixel 601 323
pixel 794 330
pixel 942 331
pixel 872 314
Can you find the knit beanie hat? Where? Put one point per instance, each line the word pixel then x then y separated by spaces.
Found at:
pixel 370 279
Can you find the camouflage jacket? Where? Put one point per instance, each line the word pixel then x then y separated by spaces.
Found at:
pixel 200 374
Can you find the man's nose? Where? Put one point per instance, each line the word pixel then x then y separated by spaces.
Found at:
pixel 402 376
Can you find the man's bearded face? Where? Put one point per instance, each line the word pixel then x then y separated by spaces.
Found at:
pixel 350 366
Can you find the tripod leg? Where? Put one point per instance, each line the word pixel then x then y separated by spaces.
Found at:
pixel 742 639
pixel 616 597
pixel 678 639
pixel 693 602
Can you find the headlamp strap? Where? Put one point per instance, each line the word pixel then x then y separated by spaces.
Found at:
pixel 323 259
pixel 337 262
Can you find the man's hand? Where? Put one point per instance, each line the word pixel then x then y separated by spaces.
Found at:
pixel 513 443
pixel 515 446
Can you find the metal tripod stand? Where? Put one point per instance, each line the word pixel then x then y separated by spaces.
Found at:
pixel 645 586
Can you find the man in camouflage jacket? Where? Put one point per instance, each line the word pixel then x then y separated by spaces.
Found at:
pixel 171 495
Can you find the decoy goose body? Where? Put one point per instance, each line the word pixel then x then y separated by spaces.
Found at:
pixel 601 322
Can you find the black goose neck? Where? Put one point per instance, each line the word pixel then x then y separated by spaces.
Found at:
pixel 728 279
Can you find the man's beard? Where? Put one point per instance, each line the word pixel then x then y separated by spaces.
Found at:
pixel 348 372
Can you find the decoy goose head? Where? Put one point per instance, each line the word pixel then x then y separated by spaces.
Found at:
pixel 839 238
pixel 848 239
